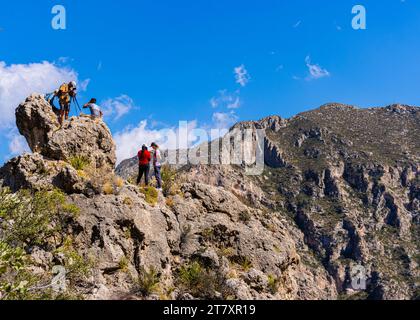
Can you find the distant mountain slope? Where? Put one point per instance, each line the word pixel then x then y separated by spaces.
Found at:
pixel 349 180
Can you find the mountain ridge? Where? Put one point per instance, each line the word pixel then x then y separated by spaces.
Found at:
pixel 340 192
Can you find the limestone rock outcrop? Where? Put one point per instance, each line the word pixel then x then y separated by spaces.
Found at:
pixel 79 137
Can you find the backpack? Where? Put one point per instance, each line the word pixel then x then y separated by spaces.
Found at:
pixel 64 93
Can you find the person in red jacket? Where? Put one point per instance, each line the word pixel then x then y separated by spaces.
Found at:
pixel 144 164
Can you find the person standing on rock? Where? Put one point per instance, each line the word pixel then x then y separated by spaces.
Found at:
pixel 65 93
pixel 157 166
pixel 95 110
pixel 144 164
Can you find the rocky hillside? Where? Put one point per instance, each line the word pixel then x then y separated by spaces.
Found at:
pixel 340 189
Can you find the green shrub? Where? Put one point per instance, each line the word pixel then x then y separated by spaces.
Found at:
pixel 12 261
pixel 36 218
pixel 77 266
pixel 79 162
pixel 123 264
pixel 148 281
pixel 243 262
pixel 151 195
pixel 190 274
pixel 273 284
pixel 244 216
pixel 202 282
pixel 28 220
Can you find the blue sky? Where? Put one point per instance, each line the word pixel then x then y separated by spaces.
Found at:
pixel 165 61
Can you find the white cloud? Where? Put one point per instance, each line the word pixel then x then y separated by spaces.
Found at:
pixel 84 85
pixel 118 107
pixel 224 120
pixel 241 75
pixel 130 140
pixel 17 143
pixel 64 60
pixel 315 71
pixel 224 99
pixel 18 81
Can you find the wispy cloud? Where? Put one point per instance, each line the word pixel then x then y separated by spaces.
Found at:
pixel 297 24
pixel 224 120
pixel 84 84
pixel 279 68
pixel 315 70
pixel 241 75
pixel 118 107
pixel 224 99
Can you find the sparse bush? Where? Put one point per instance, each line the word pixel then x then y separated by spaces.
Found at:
pixel 273 284
pixel 112 185
pixel 244 262
pixel 151 195
pixel 108 188
pixel 226 252
pixel 202 282
pixel 119 182
pixel 170 202
pixel 186 234
pixel 123 264
pixel 127 233
pixel 148 281
pixel 128 201
pixel 132 180
pixel 98 177
pixel 168 180
pixel 77 266
pixel 190 275
pixel 79 162
pixel 245 216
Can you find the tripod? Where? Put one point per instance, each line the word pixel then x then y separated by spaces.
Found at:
pixel 74 99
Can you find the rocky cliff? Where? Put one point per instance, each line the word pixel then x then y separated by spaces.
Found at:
pixel 340 189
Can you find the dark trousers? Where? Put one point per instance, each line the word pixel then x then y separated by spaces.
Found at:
pixel 158 176
pixel 143 170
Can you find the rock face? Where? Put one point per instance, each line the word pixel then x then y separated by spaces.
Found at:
pixel 205 226
pixel 80 139
pixel 81 136
pixel 348 180
pixel 340 191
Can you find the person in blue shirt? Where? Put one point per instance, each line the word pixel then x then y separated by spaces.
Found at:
pixel 95 110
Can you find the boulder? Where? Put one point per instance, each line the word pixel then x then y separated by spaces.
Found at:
pixel 34 172
pixel 79 137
